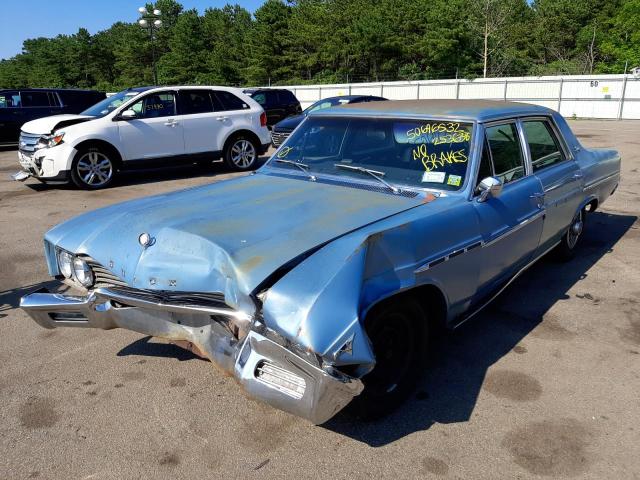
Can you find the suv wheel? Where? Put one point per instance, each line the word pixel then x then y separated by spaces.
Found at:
pixel 92 169
pixel 241 153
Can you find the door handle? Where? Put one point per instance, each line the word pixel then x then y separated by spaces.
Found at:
pixel 221 119
pixel 577 176
pixel 537 195
pixel 171 123
pixel 539 198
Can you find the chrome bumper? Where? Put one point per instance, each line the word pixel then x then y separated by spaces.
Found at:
pixel 266 369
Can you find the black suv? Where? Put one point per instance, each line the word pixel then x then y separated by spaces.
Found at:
pixel 278 103
pixel 23 105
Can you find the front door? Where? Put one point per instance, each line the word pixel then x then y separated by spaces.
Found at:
pixel 156 131
pixel 560 176
pixel 511 223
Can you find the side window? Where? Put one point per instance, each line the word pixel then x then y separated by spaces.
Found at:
pixel 543 144
pixel 486 165
pixel 261 98
pixel 155 105
pixel 508 161
pixel 34 99
pixel 228 101
pixel 53 100
pixel 10 100
pixel 195 101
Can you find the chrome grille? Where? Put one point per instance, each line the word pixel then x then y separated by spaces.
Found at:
pixel 279 136
pixel 214 299
pixel 28 142
pixel 103 276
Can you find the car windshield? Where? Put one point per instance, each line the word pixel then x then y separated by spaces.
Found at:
pixel 109 104
pixel 424 153
pixel 326 103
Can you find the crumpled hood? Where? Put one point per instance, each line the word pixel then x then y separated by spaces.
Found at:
pixel 228 236
pixel 46 125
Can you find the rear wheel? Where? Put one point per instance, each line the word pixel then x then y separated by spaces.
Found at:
pixel 92 169
pixel 241 153
pixel 398 333
pixel 566 249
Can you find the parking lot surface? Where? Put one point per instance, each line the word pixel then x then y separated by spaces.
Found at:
pixel 544 383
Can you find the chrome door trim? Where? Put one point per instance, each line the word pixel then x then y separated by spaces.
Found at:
pixel 514 229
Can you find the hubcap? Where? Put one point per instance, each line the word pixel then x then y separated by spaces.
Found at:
pixel 243 153
pixel 95 169
pixel 575 230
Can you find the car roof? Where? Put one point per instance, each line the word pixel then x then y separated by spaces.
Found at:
pixel 472 110
pixel 25 89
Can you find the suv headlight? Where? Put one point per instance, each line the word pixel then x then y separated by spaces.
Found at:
pixel 82 272
pixel 55 139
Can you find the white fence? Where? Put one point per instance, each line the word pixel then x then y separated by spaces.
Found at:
pixel 581 96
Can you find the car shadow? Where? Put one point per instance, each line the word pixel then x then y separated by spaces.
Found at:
pixel 452 382
pixel 131 177
pixel 10 299
pixel 145 347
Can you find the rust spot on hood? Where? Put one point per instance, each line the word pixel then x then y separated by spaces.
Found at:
pixel 430 197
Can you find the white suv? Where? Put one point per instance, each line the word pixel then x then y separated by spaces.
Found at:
pixel 136 127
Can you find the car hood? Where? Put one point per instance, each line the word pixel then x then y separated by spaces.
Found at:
pixel 45 125
pixel 225 237
pixel 289 123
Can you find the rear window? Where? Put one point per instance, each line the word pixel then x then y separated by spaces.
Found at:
pixel 196 101
pixel 34 99
pixel 228 101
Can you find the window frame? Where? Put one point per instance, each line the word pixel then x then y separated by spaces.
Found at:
pixel 137 99
pixel 525 152
pixel 564 149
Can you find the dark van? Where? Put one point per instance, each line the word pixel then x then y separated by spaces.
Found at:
pixel 23 105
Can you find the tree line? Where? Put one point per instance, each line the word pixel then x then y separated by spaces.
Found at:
pixel 328 41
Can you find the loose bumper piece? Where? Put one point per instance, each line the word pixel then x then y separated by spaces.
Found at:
pixel 20 176
pixel 266 369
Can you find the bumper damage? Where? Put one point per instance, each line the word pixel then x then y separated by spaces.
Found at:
pixel 267 368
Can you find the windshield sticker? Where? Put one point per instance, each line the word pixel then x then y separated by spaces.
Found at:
pixel 283 152
pixel 454 180
pixel 433 177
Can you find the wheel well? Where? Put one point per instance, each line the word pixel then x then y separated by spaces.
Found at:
pixel 430 298
pixel 247 133
pixel 105 146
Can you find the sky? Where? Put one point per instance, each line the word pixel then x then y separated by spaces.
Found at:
pixel 45 18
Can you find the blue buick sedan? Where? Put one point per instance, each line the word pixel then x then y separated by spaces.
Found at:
pixel 318 280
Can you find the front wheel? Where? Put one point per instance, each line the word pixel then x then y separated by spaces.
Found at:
pixel 398 333
pixel 241 153
pixel 92 169
pixel 566 249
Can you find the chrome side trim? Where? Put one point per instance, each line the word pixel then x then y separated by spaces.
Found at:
pixel 449 255
pixel 511 280
pixel 600 181
pixel 519 226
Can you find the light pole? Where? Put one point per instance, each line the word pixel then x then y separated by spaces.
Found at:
pixel 150 20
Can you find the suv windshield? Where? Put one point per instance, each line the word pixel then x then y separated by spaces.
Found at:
pixel 109 104
pixel 424 153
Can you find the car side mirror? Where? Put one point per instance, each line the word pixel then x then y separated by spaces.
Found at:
pixel 489 187
pixel 128 115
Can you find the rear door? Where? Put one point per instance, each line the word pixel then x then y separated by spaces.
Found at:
pixel 512 223
pixel 559 174
pixel 11 116
pixel 156 131
pixel 202 128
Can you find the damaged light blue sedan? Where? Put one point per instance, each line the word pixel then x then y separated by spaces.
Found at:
pixel 318 280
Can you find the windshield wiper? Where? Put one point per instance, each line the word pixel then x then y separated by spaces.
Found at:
pixel 302 166
pixel 374 173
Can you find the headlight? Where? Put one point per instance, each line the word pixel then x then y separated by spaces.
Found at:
pixel 82 272
pixel 55 139
pixel 65 261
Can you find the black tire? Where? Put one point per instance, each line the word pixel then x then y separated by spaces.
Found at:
pixel 568 245
pixel 399 334
pixel 93 168
pixel 241 153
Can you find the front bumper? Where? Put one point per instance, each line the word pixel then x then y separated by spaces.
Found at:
pixel 291 383
pixel 51 164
